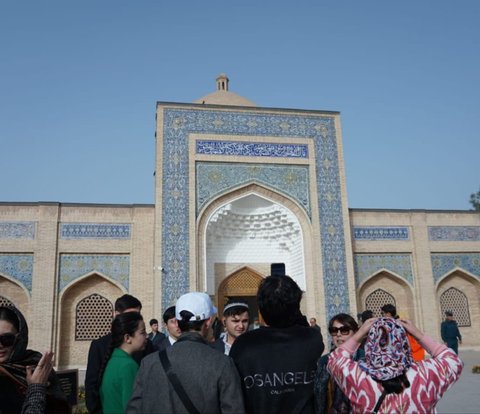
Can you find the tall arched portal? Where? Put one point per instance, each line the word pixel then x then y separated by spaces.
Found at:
pixel 255 232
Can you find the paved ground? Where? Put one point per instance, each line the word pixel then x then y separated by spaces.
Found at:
pixel 464 396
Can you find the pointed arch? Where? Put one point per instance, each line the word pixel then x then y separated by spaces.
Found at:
pixel 386 286
pixel 93 316
pixel 378 298
pixel 72 295
pixel 459 291
pixel 16 293
pixel 88 275
pixel 269 195
pixel 453 299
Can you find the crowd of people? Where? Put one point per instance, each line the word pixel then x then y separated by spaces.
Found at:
pixel 209 364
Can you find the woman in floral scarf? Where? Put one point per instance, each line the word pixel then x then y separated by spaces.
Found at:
pixel 388 380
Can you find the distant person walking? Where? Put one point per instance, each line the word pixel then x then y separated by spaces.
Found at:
pixel 450 333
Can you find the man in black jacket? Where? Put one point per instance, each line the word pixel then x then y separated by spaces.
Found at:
pixel 277 362
pixel 450 332
pixel 171 325
pixel 99 349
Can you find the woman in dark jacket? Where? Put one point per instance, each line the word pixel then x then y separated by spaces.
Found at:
pixel 16 370
pixel 328 396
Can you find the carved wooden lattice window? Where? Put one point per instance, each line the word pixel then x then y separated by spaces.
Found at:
pixel 377 299
pixel 454 300
pixel 93 318
pixel 6 302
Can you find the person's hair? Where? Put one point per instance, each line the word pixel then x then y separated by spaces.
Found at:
pixel 366 314
pixel 185 324
pixel 123 324
pixel 127 302
pixel 153 321
pixel 235 310
pixel 391 309
pixel 217 328
pixel 169 314
pixel 395 385
pixel 346 320
pixel 278 300
pixel 8 315
pixel 313 317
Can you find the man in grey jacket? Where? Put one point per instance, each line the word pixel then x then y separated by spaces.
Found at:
pixel 209 378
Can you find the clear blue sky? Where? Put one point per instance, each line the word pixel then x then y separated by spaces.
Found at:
pixel 79 81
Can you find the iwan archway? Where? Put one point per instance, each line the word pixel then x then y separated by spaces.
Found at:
pixel 251 227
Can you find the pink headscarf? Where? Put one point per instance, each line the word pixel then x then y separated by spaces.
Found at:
pixel 387 350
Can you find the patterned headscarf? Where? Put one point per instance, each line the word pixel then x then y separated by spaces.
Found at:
pixel 387 351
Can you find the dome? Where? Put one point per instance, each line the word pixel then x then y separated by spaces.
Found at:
pixel 222 96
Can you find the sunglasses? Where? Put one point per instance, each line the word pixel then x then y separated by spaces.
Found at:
pixel 8 339
pixel 344 330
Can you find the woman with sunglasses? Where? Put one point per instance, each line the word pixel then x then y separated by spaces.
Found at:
pixel 28 383
pixel 329 398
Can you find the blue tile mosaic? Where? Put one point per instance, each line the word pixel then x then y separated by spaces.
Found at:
pixel 443 264
pixel 367 265
pixel 214 179
pixel 251 149
pixel 94 231
pixel 380 233
pixel 74 266
pixel 454 233
pixel 179 123
pixel 18 267
pixel 17 230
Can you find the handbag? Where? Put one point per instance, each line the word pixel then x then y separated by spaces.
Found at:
pixel 177 385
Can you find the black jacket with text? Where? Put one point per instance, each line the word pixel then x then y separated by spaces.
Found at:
pixel 277 368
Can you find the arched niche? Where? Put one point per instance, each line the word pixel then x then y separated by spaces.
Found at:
pixel 301 261
pixel 460 293
pixel 73 353
pixel 16 294
pixel 387 286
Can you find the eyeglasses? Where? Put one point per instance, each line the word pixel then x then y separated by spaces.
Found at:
pixel 344 330
pixel 8 339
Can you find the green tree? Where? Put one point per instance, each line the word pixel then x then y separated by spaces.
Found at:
pixel 475 200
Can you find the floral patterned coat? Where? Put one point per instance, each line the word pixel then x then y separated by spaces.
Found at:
pixel 429 380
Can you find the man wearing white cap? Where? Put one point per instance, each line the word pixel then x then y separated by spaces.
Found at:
pixel 190 376
pixel 235 320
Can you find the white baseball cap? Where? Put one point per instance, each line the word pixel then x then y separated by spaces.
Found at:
pixel 197 303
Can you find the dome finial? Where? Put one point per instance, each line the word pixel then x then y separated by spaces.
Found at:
pixel 222 82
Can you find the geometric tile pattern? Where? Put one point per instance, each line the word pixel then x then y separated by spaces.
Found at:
pixel 369 264
pixel 251 149
pixel 377 299
pixel 17 230
pixel 216 178
pixel 94 231
pixel 180 123
pixel 93 317
pixel 380 233
pixel 446 262
pixel 18 266
pixel 455 300
pixel 454 233
pixel 73 266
